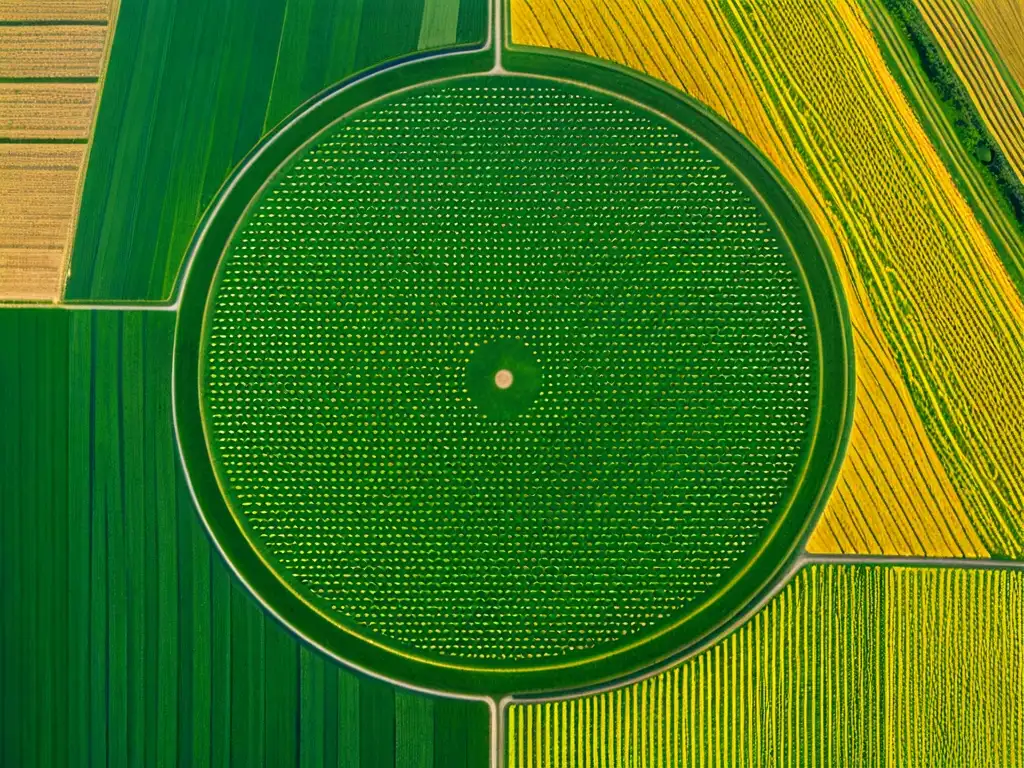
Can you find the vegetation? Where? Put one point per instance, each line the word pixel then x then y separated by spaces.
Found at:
pixel 934 314
pixel 957 102
pixel 126 639
pixel 191 87
pixel 848 666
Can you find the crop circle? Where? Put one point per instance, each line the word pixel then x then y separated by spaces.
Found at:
pixel 504 383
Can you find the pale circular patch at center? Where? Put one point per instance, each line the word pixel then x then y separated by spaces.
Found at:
pixel 503 379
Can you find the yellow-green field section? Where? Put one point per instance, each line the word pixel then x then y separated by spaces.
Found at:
pixel 848 666
pixel 1003 22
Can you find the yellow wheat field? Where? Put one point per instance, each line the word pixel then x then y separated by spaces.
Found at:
pixel 49 10
pixel 974 66
pixel 38 194
pixel 47 110
pixel 52 51
pixel 40 182
pixel 932 467
pixel 30 273
pixel 1003 21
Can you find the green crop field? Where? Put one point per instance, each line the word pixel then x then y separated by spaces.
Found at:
pixel 126 639
pixel 191 87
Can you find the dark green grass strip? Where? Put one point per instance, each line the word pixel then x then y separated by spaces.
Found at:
pixel 191 86
pixel 414 731
pixel 474 16
pixel 956 102
pixel 125 640
pixel 53 23
pixel 6 140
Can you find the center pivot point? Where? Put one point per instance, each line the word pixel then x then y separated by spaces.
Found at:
pixel 503 378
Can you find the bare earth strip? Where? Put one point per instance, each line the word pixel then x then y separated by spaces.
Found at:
pixel 932 468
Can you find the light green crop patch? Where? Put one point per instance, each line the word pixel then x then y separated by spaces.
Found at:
pixel 666 408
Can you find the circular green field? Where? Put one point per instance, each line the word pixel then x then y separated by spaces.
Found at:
pixel 514 380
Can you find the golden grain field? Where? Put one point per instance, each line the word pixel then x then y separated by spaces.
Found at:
pixel 60 10
pixel 1002 112
pixel 52 51
pixel 988 204
pixel 51 77
pixel 937 323
pixel 47 110
pixel 38 190
pixel 1003 22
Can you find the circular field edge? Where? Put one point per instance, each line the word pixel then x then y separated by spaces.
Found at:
pixel 782 542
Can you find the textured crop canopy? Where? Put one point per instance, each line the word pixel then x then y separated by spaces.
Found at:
pixel 512 375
